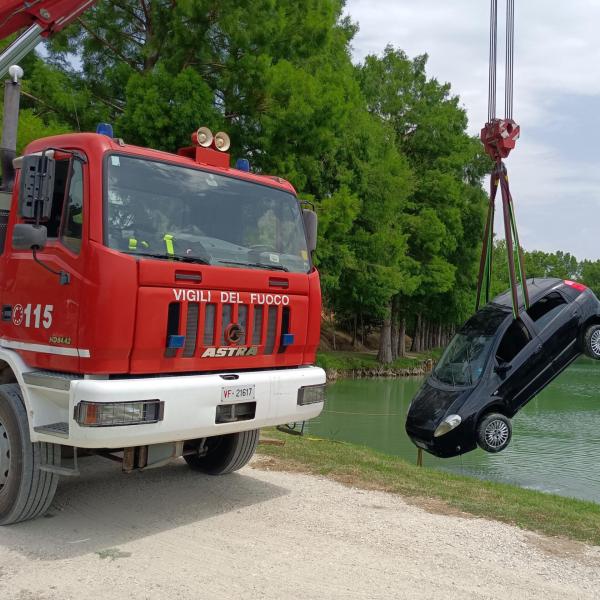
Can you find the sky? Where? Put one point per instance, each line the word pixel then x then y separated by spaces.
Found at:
pixel 555 169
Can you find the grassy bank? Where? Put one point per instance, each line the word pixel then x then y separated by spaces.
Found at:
pixel 437 490
pixel 345 361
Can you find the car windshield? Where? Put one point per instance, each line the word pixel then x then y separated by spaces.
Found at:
pixel 167 211
pixel 465 358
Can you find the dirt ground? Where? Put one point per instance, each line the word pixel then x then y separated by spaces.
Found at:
pixel 173 534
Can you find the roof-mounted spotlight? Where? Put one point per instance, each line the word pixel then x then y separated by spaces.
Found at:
pixel 222 142
pixel 203 137
pixel 15 73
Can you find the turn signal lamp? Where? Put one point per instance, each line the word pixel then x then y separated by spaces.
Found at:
pixel 311 394
pixel 112 414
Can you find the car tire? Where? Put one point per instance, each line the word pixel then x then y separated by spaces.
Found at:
pixel 225 453
pixel 494 432
pixel 25 490
pixel 591 342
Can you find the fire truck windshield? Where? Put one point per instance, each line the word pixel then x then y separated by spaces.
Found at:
pixel 163 210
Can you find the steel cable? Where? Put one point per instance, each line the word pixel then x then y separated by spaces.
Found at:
pixel 493 54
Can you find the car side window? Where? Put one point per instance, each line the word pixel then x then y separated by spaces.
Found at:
pixel 72 218
pixel 544 310
pixel 516 337
pixel 66 218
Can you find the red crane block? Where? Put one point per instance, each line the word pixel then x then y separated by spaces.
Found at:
pixel 499 137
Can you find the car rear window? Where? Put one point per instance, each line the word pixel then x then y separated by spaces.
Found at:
pixel 545 309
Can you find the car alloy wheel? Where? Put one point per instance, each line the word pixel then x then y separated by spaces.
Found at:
pixel 595 342
pixel 497 434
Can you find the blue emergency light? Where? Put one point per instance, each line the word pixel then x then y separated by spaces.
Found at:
pixel 105 129
pixel 242 164
pixel 287 339
pixel 174 342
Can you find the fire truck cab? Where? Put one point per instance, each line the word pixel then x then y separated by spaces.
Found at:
pixel 154 305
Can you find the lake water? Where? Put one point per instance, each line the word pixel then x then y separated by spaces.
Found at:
pixel 556 437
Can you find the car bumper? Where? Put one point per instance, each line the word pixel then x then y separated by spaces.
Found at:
pixel 190 406
pixel 455 442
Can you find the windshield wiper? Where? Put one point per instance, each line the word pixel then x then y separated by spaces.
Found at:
pixel 179 257
pixel 259 265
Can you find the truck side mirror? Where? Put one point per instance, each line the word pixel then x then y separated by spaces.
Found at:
pixel 29 237
pixel 37 186
pixel 310 224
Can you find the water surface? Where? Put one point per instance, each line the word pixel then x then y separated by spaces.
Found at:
pixel 556 437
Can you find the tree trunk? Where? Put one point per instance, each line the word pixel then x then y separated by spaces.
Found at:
pixel 395 324
pixel 402 338
pixel 416 343
pixel 333 324
pixel 354 334
pixel 385 339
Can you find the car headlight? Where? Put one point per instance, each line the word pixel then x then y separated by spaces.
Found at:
pixel 448 424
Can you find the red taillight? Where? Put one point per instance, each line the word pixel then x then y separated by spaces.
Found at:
pixel 578 286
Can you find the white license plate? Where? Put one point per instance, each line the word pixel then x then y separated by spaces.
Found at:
pixel 237 393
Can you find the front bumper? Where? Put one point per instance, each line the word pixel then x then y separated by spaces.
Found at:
pixel 455 442
pixel 190 406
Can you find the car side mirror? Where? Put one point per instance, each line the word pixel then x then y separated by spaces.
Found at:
pixel 503 368
pixel 310 224
pixel 37 186
pixel 29 237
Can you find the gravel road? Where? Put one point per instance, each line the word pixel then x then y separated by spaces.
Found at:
pixel 172 534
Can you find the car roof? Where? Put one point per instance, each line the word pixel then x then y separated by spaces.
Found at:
pixel 537 287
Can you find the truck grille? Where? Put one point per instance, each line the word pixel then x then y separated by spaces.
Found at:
pixel 205 324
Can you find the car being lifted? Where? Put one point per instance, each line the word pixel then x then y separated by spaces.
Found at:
pixel 496 364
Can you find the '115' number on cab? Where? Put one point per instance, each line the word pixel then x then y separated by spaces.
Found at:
pixel 33 316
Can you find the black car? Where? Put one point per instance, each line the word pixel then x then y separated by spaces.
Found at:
pixel 495 364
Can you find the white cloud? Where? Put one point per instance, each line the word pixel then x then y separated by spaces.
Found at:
pixel 556 186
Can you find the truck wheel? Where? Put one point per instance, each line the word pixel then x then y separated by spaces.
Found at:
pixel 225 453
pixel 494 432
pixel 25 491
pixel 591 342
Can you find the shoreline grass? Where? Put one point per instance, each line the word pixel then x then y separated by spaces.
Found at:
pixel 345 361
pixel 363 467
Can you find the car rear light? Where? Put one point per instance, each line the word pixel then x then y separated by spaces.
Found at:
pixel 112 414
pixel 311 394
pixel 575 285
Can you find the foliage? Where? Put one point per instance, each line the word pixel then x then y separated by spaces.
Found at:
pixel 380 148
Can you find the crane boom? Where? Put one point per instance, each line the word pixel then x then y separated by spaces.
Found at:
pixel 39 19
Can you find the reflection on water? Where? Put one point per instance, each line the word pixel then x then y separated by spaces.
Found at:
pixel 556 437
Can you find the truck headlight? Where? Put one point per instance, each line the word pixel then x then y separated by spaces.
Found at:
pixel 111 414
pixel 311 394
pixel 448 424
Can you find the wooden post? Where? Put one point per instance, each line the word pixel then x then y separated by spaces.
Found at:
pixel 419 457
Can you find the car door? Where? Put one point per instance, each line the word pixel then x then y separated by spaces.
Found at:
pixel 557 325
pixel 522 354
pixel 41 309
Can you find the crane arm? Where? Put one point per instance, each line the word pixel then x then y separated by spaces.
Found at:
pixel 50 15
pixel 39 19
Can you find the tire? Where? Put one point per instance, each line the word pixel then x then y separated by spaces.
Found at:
pixel 225 453
pixel 494 432
pixel 25 491
pixel 591 342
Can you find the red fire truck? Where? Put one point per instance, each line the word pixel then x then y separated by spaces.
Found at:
pixel 154 305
